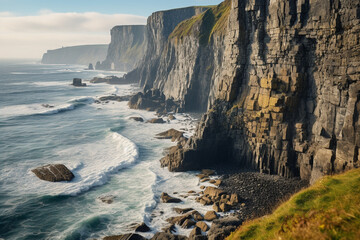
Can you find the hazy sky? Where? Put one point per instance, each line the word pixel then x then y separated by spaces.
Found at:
pixel 30 27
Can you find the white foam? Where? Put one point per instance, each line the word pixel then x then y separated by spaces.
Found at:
pixel 41 109
pixel 49 84
pixel 20 73
pixel 92 164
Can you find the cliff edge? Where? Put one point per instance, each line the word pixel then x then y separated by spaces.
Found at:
pixel 126 49
pixel 83 55
pixel 286 97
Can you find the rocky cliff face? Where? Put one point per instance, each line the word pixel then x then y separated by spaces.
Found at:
pixel 126 49
pixel 192 59
pixel 158 29
pixel 287 95
pixel 75 55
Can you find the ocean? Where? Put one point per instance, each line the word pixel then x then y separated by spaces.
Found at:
pixel 109 154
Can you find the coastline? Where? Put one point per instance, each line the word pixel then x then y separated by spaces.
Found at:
pixel 258 194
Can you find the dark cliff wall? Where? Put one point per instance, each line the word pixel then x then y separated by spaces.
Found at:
pixel 288 91
pixel 75 55
pixel 158 29
pixel 193 58
pixel 126 49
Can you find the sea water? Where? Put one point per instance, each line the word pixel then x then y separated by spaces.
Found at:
pixel 45 120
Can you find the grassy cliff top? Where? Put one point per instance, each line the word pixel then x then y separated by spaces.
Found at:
pixel 329 209
pixel 206 24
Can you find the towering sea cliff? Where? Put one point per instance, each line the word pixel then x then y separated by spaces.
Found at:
pixel 158 29
pixel 281 79
pixel 126 49
pixel 84 55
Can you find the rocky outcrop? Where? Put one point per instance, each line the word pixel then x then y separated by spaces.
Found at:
pixel 53 173
pixel 110 80
pixel 153 100
pixel 76 55
pixel 287 99
pixel 142 228
pixel 172 134
pixel 129 236
pixel 126 49
pixel 167 236
pixel 77 82
pixel 165 198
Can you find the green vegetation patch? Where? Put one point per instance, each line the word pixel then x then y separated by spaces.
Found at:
pixel 329 209
pixel 204 25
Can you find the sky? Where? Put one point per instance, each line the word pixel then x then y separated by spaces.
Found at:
pixel 28 28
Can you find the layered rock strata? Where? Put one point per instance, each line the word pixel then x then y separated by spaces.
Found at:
pixel 126 49
pixel 159 56
pixel 287 96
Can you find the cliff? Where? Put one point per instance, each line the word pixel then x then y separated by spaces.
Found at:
pixel 192 59
pixel 75 55
pixel 126 49
pixel 158 29
pixel 285 97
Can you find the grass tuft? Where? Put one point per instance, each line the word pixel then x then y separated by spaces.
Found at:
pixel 205 25
pixel 329 209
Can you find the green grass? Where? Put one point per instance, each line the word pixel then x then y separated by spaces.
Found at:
pixel 330 209
pixel 205 25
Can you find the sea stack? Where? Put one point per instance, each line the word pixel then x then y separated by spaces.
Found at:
pixel 77 82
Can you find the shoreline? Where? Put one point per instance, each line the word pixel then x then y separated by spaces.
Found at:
pixel 259 194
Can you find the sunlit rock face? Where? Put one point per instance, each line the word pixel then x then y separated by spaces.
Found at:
pixel 286 99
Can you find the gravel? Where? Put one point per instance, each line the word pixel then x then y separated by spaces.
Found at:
pixel 259 193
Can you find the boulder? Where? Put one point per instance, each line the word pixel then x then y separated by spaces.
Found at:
pixel 53 173
pixel 234 199
pixel 142 228
pixel 213 192
pixel 167 236
pixel 217 182
pixel 201 176
pixel 129 236
pixel 196 216
pixel 182 210
pixel 172 134
pixel 91 67
pixel 107 199
pixel 206 201
pixel 216 207
pixel 210 216
pixel 137 119
pixel 188 223
pixel 156 120
pixel 203 226
pixel 208 172
pixel 47 105
pixel 221 228
pixel 225 207
pixel 179 219
pixel 168 199
pixel 206 179
pixel 171 117
pixel 196 234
